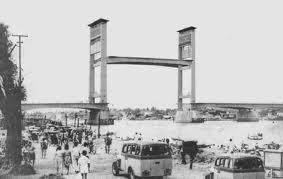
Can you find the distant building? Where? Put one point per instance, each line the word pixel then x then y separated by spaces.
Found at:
pixel 36 119
pixel 147 113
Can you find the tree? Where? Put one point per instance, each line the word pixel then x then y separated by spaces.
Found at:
pixel 11 95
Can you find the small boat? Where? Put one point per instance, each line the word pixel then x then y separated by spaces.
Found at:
pixel 258 136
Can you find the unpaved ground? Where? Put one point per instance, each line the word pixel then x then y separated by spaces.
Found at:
pixel 101 165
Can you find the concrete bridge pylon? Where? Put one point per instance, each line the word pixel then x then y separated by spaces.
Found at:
pixel 98 51
pixel 186 51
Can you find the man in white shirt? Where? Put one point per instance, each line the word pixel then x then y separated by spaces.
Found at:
pixel 84 164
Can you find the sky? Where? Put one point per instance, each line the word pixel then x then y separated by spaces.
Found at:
pixel 238 49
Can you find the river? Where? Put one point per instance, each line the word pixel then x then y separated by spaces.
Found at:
pixel 210 132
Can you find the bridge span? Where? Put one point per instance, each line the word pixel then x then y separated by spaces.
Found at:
pixel 238 106
pixel 90 106
pixel 174 63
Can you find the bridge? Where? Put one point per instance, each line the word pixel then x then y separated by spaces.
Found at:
pixel 98 104
pixel 235 105
pixel 174 63
pixel 89 106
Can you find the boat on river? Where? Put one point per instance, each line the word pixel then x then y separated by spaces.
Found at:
pixel 258 136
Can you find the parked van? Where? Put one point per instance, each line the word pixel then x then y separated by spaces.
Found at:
pixel 239 166
pixel 144 159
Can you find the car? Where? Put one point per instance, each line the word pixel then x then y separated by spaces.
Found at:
pixel 238 166
pixel 144 159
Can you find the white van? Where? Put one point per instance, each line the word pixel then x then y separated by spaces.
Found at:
pixel 239 166
pixel 144 159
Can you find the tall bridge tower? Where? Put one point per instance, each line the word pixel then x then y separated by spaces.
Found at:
pixel 186 51
pixel 98 61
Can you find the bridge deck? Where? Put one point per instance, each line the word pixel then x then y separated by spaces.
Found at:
pixel 98 106
pixel 174 63
pixel 238 105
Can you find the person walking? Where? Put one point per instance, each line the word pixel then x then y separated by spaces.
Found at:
pixel 108 142
pixel 44 146
pixel 59 160
pixel 140 137
pixel 80 137
pixel 75 139
pixel 75 156
pixel 84 165
pixel 231 146
pixel 193 150
pixel 31 152
pixel 67 158
pixel 183 154
pixel 90 145
pixel 192 158
pixel 136 136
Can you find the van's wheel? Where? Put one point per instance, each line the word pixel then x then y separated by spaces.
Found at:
pixel 115 169
pixel 132 174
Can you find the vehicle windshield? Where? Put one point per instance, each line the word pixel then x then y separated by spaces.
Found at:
pixel 155 149
pixel 248 163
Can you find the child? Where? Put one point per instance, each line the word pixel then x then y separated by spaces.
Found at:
pixel 84 165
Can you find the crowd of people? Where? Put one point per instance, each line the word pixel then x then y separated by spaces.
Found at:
pixel 73 149
pixel 83 146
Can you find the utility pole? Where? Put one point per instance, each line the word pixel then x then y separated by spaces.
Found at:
pixel 66 118
pixel 98 130
pixel 20 71
pixel 76 115
pixel 19 123
pixel 20 60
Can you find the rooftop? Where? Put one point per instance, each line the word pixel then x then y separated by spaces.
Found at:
pixel 239 155
pixel 98 22
pixel 144 142
pixel 186 29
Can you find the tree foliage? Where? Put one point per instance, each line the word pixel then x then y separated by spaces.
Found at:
pixel 11 94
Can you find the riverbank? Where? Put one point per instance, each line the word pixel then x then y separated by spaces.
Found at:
pixel 101 164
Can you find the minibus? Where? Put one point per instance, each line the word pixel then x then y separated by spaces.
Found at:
pixel 144 159
pixel 238 166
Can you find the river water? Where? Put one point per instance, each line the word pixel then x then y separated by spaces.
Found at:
pixel 210 132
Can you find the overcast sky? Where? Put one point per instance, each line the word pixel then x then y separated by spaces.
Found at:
pixel 238 49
